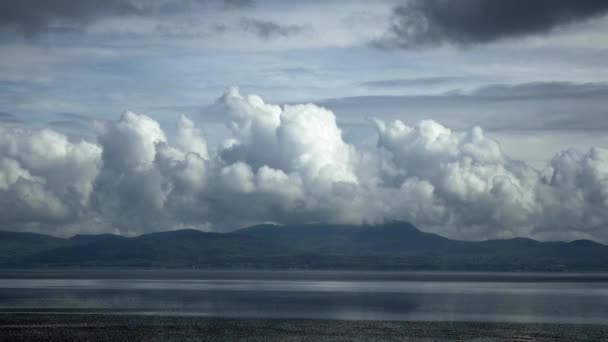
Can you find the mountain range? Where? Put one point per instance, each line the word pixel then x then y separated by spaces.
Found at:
pixel 389 246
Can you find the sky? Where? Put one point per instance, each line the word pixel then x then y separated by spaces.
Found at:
pixel 474 119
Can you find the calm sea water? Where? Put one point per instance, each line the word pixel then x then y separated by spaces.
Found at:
pixel 434 296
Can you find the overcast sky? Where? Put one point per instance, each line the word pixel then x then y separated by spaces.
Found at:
pixel 474 119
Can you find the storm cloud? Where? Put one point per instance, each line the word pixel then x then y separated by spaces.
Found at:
pixel 290 164
pixel 32 16
pixel 421 23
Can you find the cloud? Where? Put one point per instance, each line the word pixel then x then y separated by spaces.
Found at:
pixel 237 4
pixel 189 138
pixel 410 82
pixel 542 106
pixel 296 138
pixel 44 177
pixel 542 90
pixel 290 164
pixel 31 16
pixel 473 183
pixel 421 23
pixel 268 29
pixel 68 125
pixel 8 118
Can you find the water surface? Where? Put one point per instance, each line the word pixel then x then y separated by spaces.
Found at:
pixel 417 296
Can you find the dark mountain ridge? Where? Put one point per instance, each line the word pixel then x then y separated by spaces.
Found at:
pixel 393 245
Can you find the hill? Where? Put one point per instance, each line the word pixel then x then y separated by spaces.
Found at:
pixel 394 245
pixel 180 248
pixel 14 245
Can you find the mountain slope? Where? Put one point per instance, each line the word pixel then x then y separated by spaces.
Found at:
pixel 395 238
pixel 88 238
pixel 181 248
pixel 401 245
pixel 14 245
pixel 395 245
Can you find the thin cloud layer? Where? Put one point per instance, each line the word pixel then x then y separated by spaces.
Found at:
pixel 290 164
pixel 268 29
pixel 422 23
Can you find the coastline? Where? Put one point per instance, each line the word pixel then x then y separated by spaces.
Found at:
pixel 112 327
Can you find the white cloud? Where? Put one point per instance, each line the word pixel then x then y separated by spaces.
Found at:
pixel 44 176
pixel 189 138
pixel 576 197
pixel 303 138
pixel 477 185
pixel 290 164
pixel 130 143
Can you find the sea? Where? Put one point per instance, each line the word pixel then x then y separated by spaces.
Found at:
pixel 575 298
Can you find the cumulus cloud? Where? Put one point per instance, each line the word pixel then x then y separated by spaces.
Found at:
pixel 473 182
pixel 576 195
pixel 421 23
pixel 296 138
pixel 44 177
pixel 290 164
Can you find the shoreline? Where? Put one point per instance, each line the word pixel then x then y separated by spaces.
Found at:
pixel 131 328
pixel 300 274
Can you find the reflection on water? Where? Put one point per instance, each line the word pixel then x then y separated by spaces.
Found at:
pixel 347 295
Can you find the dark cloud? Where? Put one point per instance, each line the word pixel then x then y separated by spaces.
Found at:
pixel 543 90
pixel 74 117
pixel 268 29
pixel 408 82
pixel 66 124
pixel 497 107
pixel 432 22
pixel 8 118
pixel 33 16
pixel 236 4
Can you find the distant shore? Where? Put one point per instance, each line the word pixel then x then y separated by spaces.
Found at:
pixel 109 327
